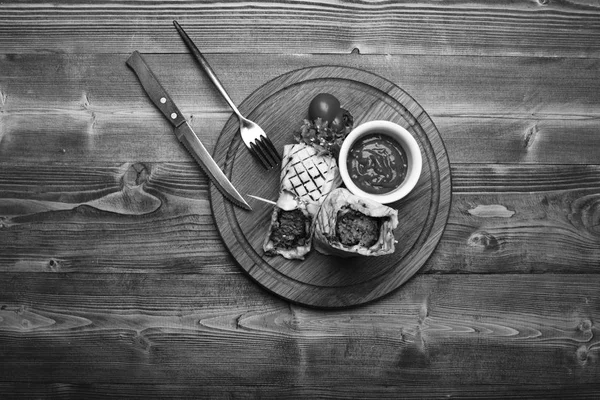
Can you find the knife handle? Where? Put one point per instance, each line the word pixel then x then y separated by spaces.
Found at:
pixel 154 89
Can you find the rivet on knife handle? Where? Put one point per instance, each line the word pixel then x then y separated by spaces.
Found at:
pixel 156 92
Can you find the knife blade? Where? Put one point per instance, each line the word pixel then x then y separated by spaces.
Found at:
pixel 183 130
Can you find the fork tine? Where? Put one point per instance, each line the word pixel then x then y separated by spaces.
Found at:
pixel 272 150
pixel 265 152
pixel 257 153
pixel 268 150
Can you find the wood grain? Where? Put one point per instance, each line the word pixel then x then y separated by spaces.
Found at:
pixel 293 391
pixel 534 27
pixel 323 281
pixel 542 220
pixel 73 218
pixel 232 336
pixel 91 108
pixel 114 282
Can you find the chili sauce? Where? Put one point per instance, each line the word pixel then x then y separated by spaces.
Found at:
pixel 377 163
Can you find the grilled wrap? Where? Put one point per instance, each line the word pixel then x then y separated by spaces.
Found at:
pixel 308 174
pixel 305 180
pixel 347 225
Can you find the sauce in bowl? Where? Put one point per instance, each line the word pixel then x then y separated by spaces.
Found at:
pixel 377 163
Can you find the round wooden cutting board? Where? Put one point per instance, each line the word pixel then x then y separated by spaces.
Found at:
pixel 279 107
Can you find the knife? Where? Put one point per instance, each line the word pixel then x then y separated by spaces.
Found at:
pixel 183 130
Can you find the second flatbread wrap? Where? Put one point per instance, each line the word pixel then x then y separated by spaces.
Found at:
pixel 347 225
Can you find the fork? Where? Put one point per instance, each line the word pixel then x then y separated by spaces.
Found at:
pixel 255 139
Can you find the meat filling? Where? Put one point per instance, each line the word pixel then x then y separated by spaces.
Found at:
pixel 354 228
pixel 291 229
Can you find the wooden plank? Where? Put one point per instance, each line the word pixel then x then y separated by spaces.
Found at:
pixel 521 219
pixel 223 331
pixel 327 26
pixel 91 108
pixel 156 218
pixel 65 390
pixel 109 218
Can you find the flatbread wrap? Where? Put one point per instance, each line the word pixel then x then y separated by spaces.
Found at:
pixel 347 225
pixel 306 179
pixel 308 174
pixel 290 230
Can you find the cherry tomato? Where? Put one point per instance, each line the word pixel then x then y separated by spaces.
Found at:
pixel 342 120
pixel 324 106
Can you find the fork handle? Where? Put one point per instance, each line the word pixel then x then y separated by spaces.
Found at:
pixel 207 68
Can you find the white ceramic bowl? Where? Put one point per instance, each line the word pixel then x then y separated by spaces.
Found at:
pixel 402 137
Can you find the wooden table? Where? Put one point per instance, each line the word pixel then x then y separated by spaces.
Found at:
pixel 114 280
